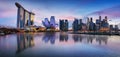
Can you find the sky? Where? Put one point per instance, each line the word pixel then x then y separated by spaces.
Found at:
pixel 61 9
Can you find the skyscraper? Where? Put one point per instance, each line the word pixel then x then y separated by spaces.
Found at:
pixel 87 23
pixel 75 25
pixel 104 23
pixel 116 28
pixel 91 25
pixel 111 27
pixel 100 18
pixel 98 24
pixel 66 25
pixel 80 24
pixel 63 25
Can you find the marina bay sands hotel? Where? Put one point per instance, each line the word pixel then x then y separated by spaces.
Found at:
pixel 24 17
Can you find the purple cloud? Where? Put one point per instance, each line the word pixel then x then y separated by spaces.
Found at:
pixel 112 12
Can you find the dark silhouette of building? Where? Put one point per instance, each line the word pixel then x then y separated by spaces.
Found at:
pixel 80 24
pixel 104 23
pixel 98 23
pixel 116 28
pixel 63 25
pixel 87 24
pixel 75 25
pixel 111 27
pixel 91 25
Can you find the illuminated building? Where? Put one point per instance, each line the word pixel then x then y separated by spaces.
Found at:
pixel 50 24
pixel 24 17
pixel 104 29
pixel 40 29
pixel 104 25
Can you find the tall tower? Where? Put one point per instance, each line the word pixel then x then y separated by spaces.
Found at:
pixel 100 18
pixel 66 25
pixel 105 17
pixel 20 16
pixel 24 17
pixel 88 23
pixel 91 19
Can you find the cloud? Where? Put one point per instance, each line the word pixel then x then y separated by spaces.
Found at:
pixel 8 13
pixel 7 9
pixel 112 12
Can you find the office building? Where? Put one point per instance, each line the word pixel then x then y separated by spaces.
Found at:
pixel 91 25
pixel 66 25
pixel 80 24
pixel 75 25
pixel 63 25
pixel 87 23
pixel 111 27
pixel 116 28
pixel 104 23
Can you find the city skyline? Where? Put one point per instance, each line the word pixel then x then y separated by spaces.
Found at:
pixel 61 10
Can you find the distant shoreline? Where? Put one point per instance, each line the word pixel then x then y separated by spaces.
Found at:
pixel 5 31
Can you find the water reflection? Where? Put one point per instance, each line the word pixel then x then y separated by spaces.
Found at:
pixel 24 41
pixel 54 44
pixel 49 36
pixel 89 38
pixel 102 39
pixel 63 37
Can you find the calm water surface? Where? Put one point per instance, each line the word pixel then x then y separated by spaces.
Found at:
pixel 59 44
